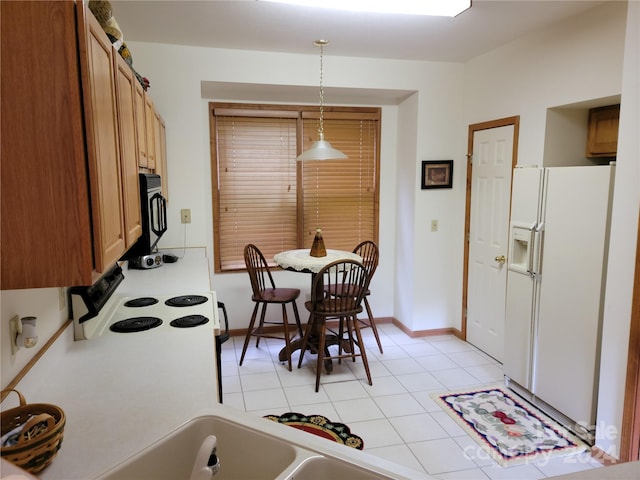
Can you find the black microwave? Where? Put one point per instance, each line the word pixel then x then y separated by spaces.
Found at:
pixel 154 217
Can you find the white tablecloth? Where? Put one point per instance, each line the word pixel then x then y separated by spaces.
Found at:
pixel 301 261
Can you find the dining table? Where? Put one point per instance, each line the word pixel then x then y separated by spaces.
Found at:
pixel 301 260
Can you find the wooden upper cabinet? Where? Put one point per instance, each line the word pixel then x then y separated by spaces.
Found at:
pixel 141 125
pixel 71 135
pixel 44 195
pixel 101 118
pixel 602 135
pixel 69 184
pixel 161 153
pixel 149 115
pixel 125 96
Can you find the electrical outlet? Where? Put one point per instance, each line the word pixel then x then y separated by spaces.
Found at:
pixel 185 215
pixel 434 225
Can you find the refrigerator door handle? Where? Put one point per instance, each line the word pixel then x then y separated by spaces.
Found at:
pixel 532 244
pixel 535 261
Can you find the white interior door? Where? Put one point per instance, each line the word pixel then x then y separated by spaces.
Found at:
pixel 488 238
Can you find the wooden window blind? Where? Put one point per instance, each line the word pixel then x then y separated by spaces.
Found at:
pixel 263 196
pixel 340 195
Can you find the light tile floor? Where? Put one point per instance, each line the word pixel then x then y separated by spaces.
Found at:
pixel 396 417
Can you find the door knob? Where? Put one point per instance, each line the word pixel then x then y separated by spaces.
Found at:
pixel 500 259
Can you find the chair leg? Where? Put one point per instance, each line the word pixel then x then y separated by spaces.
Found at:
pixel 305 339
pixel 372 324
pixel 249 332
pixel 350 327
pixel 297 317
pixel 340 337
pixel 287 340
pixel 363 353
pixel 261 326
pixel 321 342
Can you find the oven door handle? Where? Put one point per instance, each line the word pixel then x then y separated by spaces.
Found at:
pixel 158 209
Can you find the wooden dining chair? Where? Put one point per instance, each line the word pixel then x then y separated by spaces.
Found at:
pixel 338 275
pixel 265 293
pixel 369 252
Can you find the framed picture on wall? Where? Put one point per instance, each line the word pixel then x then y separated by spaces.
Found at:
pixel 437 174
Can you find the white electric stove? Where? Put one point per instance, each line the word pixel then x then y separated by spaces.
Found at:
pixel 99 311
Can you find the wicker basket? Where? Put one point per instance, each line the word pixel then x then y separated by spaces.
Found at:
pixel 41 436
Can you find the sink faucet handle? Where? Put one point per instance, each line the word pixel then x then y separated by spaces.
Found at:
pixel 207 463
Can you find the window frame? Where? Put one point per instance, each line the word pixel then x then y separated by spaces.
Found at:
pixel 301 112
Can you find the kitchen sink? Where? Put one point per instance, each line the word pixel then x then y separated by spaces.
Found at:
pixel 244 453
pixel 315 468
pixel 252 448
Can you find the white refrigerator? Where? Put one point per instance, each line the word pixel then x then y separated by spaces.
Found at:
pixel 557 263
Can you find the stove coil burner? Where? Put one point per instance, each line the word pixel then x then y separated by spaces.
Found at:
pixel 189 321
pixel 135 324
pixel 141 302
pixel 186 300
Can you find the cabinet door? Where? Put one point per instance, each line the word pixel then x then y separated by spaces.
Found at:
pixel 163 159
pixel 161 152
pixel 141 129
pixel 602 137
pixel 128 149
pixel 149 115
pixel 102 142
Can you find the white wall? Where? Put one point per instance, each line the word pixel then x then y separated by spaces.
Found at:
pixel 51 313
pixel 573 62
pixel 624 227
pixel 431 130
pixel 577 60
pixel 405 240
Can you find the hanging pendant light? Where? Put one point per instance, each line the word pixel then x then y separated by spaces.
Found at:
pixel 321 149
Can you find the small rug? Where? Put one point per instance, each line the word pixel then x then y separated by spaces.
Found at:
pixel 510 430
pixel 321 426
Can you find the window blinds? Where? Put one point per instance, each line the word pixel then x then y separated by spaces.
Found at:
pixel 263 196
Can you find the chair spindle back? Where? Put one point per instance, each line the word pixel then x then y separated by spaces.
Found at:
pixel 341 275
pixel 258 269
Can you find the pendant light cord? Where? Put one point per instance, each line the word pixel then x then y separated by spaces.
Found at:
pixel 321 44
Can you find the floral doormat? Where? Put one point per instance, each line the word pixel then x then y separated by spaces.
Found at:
pixel 321 426
pixel 510 430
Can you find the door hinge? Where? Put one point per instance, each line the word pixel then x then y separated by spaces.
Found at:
pixel 470 157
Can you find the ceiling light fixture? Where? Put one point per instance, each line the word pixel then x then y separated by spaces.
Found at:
pixel 440 8
pixel 321 149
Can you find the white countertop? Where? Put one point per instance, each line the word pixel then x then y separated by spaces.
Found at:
pixel 189 274
pixel 122 393
pixel 622 471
